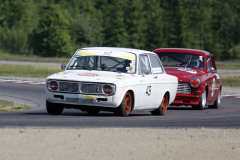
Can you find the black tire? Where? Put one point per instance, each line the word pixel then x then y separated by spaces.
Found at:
pixel 162 107
pixel 93 112
pixel 217 101
pixel 125 108
pixel 53 108
pixel 202 103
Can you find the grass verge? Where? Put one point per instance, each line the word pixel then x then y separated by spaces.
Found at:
pixel 44 71
pixel 228 65
pixel 231 80
pixel 7 56
pixel 27 71
pixel 10 106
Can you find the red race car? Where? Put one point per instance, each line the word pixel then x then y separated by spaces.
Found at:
pixel 199 84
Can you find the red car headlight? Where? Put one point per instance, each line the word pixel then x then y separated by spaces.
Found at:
pixel 53 85
pixel 195 82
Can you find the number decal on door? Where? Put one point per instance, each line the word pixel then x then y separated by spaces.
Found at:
pixel 213 87
pixel 149 89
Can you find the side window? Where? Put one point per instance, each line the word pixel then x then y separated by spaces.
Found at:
pixel 208 64
pixel 213 65
pixel 144 64
pixel 156 65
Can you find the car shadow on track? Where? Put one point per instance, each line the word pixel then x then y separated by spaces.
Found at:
pixel 77 113
pixel 180 108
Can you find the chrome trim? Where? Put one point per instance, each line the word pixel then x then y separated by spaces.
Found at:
pixel 183 88
pixel 74 87
pixel 68 87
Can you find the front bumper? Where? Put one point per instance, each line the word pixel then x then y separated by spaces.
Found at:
pixel 81 99
pixel 186 99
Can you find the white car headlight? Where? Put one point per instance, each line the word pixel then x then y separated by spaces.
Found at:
pixel 53 85
pixel 108 89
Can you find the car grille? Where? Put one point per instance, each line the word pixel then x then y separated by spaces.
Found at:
pixel 71 87
pixel 91 88
pixel 183 88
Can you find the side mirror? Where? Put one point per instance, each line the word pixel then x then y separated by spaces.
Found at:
pixel 212 69
pixel 63 66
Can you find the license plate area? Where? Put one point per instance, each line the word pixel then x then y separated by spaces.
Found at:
pixel 87 100
pixel 68 99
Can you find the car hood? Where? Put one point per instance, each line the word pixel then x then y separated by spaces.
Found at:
pixel 184 74
pixel 90 76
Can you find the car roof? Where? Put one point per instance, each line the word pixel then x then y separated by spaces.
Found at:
pixel 183 50
pixel 129 50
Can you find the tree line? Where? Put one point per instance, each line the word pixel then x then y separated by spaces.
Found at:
pixel 56 28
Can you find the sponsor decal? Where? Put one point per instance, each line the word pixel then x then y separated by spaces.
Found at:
pixel 90 97
pixel 89 74
pixel 83 54
pixel 118 76
pixel 107 53
pixel 128 57
pixel 63 74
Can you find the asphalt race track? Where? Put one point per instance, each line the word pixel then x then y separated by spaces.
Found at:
pixel 228 116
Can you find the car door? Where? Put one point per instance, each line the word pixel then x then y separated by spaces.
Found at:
pixel 159 79
pixel 147 88
pixel 216 78
pixel 211 80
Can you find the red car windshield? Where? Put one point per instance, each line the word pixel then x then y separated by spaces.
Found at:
pixel 178 59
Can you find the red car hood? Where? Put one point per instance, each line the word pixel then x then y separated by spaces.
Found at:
pixel 184 74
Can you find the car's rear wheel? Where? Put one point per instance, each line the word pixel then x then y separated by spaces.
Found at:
pixel 217 102
pixel 163 106
pixel 202 103
pixel 125 107
pixel 53 108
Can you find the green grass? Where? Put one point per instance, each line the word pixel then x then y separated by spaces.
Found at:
pixel 7 56
pixel 10 106
pixel 44 71
pixel 228 65
pixel 27 71
pixel 231 80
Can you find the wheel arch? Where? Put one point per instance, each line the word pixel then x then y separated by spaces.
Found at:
pixel 133 97
pixel 205 88
pixel 168 93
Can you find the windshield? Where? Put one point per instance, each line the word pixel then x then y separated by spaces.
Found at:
pixel 181 60
pixel 123 64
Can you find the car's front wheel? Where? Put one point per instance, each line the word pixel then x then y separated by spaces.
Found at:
pixel 163 106
pixel 53 108
pixel 125 107
pixel 202 103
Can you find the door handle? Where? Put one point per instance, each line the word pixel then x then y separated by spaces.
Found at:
pixel 155 77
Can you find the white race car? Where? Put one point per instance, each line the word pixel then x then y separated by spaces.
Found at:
pixel 111 79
